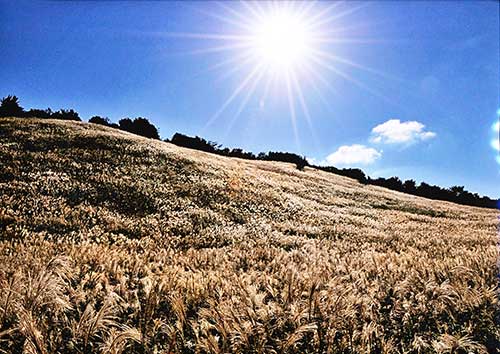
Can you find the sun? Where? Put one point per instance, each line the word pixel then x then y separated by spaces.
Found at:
pixel 281 41
pixel 282 48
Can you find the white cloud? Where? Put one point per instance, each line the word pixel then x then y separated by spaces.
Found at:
pixel 495 144
pixel 353 155
pixel 396 132
pixel 496 127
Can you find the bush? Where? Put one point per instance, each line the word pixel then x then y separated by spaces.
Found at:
pixel 355 173
pixel 140 126
pixel 100 120
pixel 66 114
pixel 194 143
pixel 10 107
pixel 39 113
pixel 143 127
pixel 299 161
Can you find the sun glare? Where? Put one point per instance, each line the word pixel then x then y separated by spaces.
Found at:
pixel 281 41
pixel 285 45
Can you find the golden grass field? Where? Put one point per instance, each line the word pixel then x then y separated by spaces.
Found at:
pixel 113 243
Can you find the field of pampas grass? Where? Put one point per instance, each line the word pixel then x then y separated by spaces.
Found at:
pixel 113 243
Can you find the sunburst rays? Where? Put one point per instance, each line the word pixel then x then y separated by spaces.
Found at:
pixel 296 55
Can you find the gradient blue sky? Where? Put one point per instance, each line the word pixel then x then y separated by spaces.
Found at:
pixel 114 59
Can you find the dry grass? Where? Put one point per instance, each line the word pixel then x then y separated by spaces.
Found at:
pixel 111 243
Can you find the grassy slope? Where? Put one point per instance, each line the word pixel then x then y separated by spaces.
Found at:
pixel 215 254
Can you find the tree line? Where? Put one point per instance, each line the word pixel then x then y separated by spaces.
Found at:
pixel 140 126
pixel 10 107
pixel 212 147
pixel 456 194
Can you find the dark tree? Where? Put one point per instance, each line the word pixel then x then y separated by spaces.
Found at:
pixel 144 128
pixel 39 113
pixel 457 191
pixel 195 143
pixel 301 164
pixel 242 154
pixel 139 126
pixel 299 161
pixel 236 152
pixel 100 120
pixel 10 107
pixel 66 114
pixel 394 183
pixel 126 124
pixel 378 182
pixel 355 173
pixel 409 186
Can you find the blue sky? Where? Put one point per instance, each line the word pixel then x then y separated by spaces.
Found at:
pixel 417 96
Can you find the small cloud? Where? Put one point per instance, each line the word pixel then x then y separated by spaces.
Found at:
pixel 353 155
pixel 396 132
pixel 495 144
pixel 496 127
pixel 427 135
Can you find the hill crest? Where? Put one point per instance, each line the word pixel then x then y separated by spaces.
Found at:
pixel 183 251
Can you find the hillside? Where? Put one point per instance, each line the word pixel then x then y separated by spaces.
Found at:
pixel 110 242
